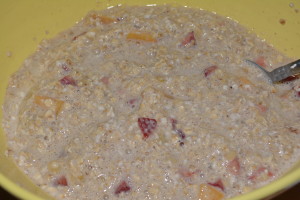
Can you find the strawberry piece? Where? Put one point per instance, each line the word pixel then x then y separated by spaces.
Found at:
pixel 181 134
pixel 133 103
pixel 234 166
pixel 68 80
pixel 122 187
pixel 258 172
pixel 105 80
pixel 62 180
pixel 262 108
pixel 187 174
pixel 147 126
pixel 174 123
pixel 65 65
pixel 218 184
pixel 290 79
pixel 209 70
pixel 65 68
pixel 189 39
pixel 261 61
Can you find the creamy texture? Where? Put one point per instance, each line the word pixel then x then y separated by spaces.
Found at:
pixel 152 103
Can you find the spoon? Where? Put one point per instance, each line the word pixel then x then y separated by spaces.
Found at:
pixel 279 74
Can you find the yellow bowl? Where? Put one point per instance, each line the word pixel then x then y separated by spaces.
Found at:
pixel 25 23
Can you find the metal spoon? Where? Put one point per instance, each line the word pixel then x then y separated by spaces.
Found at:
pixel 279 74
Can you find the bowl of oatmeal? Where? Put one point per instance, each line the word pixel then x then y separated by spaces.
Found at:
pixel 156 101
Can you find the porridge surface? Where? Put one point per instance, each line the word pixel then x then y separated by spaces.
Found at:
pixel 152 103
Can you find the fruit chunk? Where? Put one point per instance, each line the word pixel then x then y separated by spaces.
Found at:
pixel 262 108
pixel 245 81
pixel 48 102
pixel 122 187
pixel 62 180
pixel 209 70
pixel 261 173
pixel 207 192
pixel 186 173
pixel 147 126
pixel 141 36
pixel 218 184
pixel 105 80
pixel 189 39
pixel 68 80
pixel 261 61
pixel 103 19
pixel 234 166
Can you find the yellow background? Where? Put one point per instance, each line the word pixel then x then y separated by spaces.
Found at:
pixel 24 23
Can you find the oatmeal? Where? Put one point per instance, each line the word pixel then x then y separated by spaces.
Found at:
pixel 152 103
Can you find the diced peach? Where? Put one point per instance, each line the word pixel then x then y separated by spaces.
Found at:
pixel 103 19
pixel 48 102
pixel 141 36
pixel 106 20
pixel 245 81
pixel 207 192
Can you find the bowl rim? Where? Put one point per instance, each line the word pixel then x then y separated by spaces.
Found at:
pixel 284 182
pixel 272 188
pixel 17 190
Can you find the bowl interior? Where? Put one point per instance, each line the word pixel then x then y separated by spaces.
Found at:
pixel 25 23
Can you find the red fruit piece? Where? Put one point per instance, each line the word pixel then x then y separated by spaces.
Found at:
pixel 218 184
pixel 261 61
pixel 290 79
pixel 187 173
pixel 174 123
pixel 64 66
pixel 68 80
pixel 105 80
pixel 262 108
pixel 258 172
pixel 122 187
pixel 209 70
pixel 147 126
pixel 62 180
pixel 189 39
pixel 234 166
pixel 132 103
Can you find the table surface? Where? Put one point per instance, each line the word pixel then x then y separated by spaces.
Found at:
pixel 291 194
